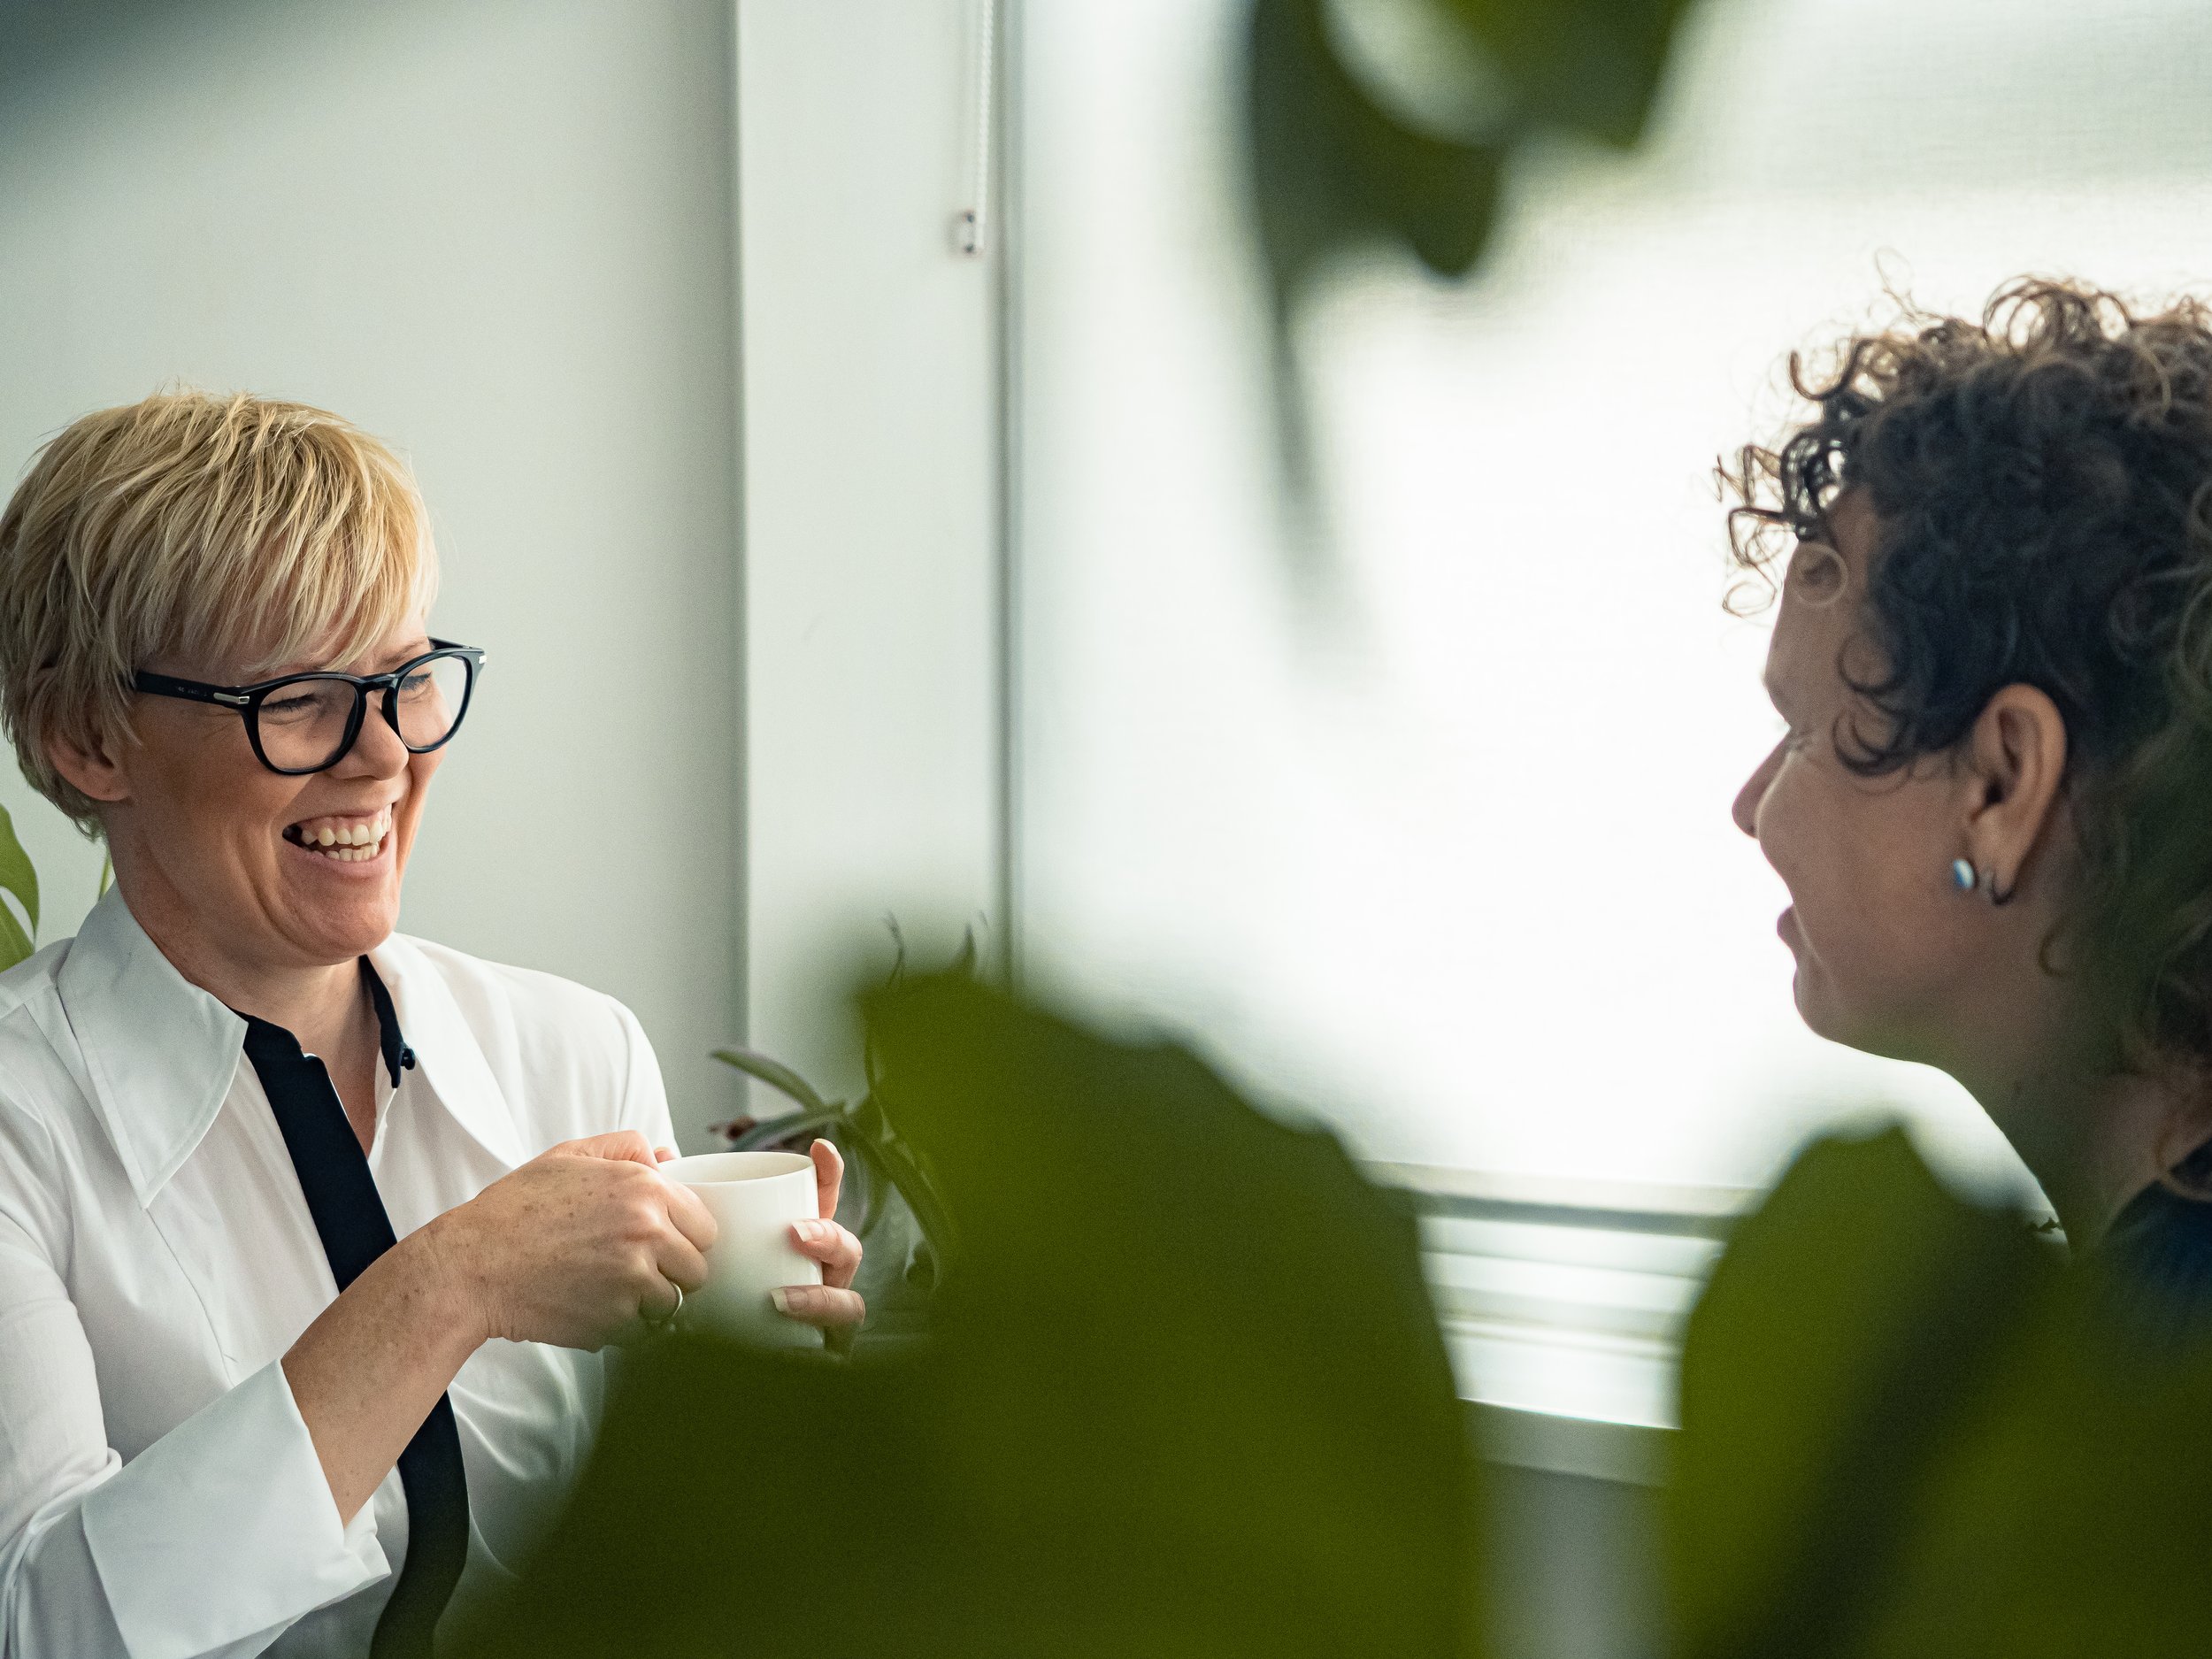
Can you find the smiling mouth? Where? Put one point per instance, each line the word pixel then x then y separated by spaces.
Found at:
pixel 344 839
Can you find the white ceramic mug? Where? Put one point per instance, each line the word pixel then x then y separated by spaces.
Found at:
pixel 754 1198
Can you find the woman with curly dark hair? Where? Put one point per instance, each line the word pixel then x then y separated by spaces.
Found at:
pixel 1993 804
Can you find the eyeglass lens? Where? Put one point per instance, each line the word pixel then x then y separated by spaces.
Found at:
pixel 304 725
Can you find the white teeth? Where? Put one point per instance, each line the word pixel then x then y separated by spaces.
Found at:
pixel 349 842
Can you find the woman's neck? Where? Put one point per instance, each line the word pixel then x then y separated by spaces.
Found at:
pixel 2092 1138
pixel 324 1006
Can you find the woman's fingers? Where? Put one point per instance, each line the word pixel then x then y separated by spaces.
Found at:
pixel 831 1245
pixel 828 1306
pixel 680 1263
pixel 660 1302
pixel 829 1176
pixel 624 1145
pixel 691 1216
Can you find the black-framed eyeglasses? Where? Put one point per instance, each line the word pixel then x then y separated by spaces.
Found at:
pixel 303 723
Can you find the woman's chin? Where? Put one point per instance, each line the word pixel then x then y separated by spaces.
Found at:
pixel 336 927
pixel 1815 1004
pixel 1885 1034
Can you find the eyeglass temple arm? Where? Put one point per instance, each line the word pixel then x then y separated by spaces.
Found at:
pixel 192 690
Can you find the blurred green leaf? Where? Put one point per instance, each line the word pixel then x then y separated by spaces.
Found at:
pixel 1589 67
pixel 1334 169
pixel 1907 1432
pixel 1185 1398
pixel 1853 1324
pixel 17 877
pixel 2069 1517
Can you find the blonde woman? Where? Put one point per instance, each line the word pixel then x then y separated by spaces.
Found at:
pixel 307 1229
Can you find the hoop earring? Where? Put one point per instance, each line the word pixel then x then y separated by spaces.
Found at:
pixel 1966 879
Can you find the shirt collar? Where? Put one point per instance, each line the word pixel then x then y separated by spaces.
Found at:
pixel 161 1053
pixel 447 1052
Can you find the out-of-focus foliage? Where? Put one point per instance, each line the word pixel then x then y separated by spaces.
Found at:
pixel 1184 1396
pixel 17 876
pixel 1908 1431
pixel 1338 164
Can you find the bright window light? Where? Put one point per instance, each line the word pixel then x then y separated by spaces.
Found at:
pixel 1446 855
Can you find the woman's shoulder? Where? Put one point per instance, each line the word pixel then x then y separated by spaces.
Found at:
pixel 47 1127
pixel 33 1032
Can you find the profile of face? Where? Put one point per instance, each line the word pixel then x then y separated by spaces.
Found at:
pixel 1890 953
pixel 220 854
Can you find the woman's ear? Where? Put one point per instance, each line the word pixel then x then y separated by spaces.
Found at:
pixel 2015 767
pixel 95 772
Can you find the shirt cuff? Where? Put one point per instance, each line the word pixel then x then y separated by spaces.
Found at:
pixel 225 1526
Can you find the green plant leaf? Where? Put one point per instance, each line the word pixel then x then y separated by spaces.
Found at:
pixel 17 877
pixel 17 874
pixel 776 1075
pixel 1590 67
pixel 1840 1343
pixel 2065 1515
pixel 1185 1399
pixel 15 944
pixel 769 1130
pixel 1331 169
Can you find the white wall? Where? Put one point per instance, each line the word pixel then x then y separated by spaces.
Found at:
pixel 870 493
pixel 497 233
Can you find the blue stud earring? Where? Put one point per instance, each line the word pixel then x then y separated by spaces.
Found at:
pixel 1963 876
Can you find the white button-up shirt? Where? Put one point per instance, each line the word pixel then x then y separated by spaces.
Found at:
pixel 159 1495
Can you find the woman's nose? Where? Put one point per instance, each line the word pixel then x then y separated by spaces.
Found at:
pixel 377 752
pixel 1746 811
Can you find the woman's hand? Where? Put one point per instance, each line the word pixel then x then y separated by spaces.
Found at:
pixel 833 1305
pixel 577 1245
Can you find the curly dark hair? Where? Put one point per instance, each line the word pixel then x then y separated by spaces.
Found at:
pixel 2041 486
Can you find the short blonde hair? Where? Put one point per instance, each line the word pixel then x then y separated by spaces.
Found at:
pixel 231 528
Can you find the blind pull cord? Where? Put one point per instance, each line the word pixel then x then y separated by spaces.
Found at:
pixel 972 231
